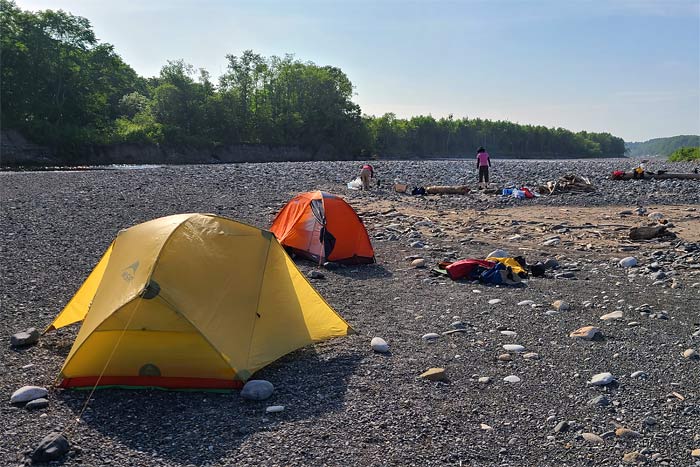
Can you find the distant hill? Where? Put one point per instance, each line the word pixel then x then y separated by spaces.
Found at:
pixel 661 146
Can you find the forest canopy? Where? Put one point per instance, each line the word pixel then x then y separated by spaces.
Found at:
pixel 662 146
pixel 61 87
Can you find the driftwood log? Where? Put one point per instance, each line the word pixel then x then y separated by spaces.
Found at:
pixel 447 190
pixel 648 233
pixel 663 176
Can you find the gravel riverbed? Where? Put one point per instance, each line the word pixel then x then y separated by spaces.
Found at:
pixel 344 403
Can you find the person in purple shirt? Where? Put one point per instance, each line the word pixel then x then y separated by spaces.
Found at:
pixel 483 162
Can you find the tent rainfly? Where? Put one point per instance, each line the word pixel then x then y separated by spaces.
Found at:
pixel 323 227
pixel 191 301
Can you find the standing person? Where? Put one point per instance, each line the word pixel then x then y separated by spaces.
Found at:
pixel 366 173
pixel 483 162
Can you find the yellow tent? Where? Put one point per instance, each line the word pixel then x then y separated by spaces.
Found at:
pixel 191 301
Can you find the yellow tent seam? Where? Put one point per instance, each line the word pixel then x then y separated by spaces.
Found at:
pixel 270 239
pixel 194 326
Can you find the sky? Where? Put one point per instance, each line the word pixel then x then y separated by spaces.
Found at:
pixel 629 67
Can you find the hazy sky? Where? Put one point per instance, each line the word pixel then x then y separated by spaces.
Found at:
pixel 631 67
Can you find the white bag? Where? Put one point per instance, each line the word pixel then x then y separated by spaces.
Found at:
pixel 355 184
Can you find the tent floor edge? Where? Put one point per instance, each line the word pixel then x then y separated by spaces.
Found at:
pixel 151 382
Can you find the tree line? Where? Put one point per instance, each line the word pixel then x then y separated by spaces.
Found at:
pixel 662 146
pixel 60 87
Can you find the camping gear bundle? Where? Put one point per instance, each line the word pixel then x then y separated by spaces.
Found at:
pixel 492 270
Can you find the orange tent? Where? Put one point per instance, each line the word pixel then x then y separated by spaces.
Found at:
pixel 323 227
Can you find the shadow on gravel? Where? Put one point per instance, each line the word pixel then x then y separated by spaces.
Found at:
pixel 202 428
pixel 364 272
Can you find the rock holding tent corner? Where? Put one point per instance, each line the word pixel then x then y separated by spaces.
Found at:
pixel 257 390
pixel 379 345
pixel 28 393
pixel 51 448
pixel 25 338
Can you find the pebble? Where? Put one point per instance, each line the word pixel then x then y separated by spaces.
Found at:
pixel 600 401
pixel 514 348
pixel 561 427
pixel 695 453
pixel 379 345
pixel 552 242
pixel 592 438
pixel 531 356
pixel 628 262
pixel 25 338
pixel 484 380
pixel 257 390
pixel 511 379
pixel 611 316
pixel 601 379
pixel 495 301
pixel 39 403
pixel 638 374
pixel 627 433
pixel 417 244
pixel 485 427
pixel 551 263
pixel 51 448
pixel 509 333
pixel 418 263
pixel 658 275
pixel 274 409
pixel 633 457
pixel 316 275
pixel 587 333
pixel 505 357
pixel 28 393
pixel 691 354
pixel 526 303
pixel 434 374
pixel 431 336
pixel 561 305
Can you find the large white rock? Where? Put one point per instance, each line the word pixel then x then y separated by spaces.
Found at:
pixel 431 336
pixel 257 390
pixel 511 379
pixel 379 345
pixel 514 348
pixel 628 262
pixel 28 393
pixel 495 301
pixel 601 379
